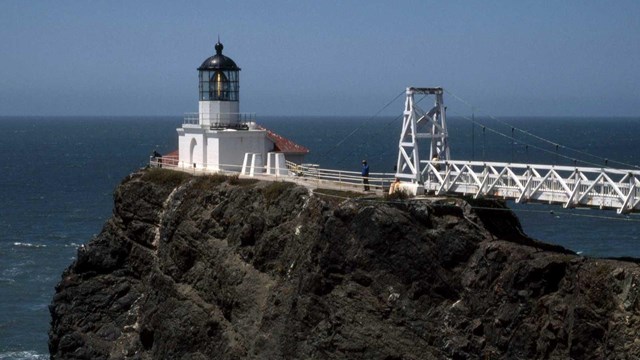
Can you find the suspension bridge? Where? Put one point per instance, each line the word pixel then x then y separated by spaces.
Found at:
pixel 425 168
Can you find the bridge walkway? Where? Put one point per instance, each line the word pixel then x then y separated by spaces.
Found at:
pixel 570 187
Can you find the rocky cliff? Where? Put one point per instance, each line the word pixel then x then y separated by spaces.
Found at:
pixel 224 268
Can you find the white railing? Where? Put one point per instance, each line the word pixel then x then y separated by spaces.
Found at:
pixel 570 186
pixel 242 118
pixel 603 188
pixel 194 168
pixel 191 119
pixel 340 179
pixel 307 174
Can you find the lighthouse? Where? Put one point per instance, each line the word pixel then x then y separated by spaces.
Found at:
pixel 219 91
pixel 221 138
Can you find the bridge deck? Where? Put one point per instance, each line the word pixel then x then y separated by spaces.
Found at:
pixel 603 188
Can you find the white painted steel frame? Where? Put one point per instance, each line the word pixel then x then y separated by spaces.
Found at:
pixel 570 186
pixel 416 125
pixel 603 188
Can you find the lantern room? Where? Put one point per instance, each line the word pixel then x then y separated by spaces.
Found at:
pixel 219 90
pixel 218 77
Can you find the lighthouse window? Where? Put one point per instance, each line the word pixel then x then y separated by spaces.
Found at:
pixel 218 85
pixel 203 76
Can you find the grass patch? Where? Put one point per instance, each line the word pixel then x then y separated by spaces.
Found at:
pixel 236 180
pixel 275 189
pixel 338 193
pixel 204 182
pixel 165 177
pixel 207 182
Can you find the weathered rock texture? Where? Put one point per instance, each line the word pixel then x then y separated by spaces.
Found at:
pixel 217 268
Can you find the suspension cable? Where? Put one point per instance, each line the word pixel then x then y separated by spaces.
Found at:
pixel 473 136
pixel 546 140
pixel 379 155
pixel 506 136
pixel 323 155
pixel 512 144
pixel 484 141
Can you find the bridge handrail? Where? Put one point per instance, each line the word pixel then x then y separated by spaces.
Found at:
pixel 566 185
pixel 308 172
pixel 378 181
pixel 539 166
pixel 571 186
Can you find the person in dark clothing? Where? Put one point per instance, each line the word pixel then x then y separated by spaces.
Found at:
pixel 157 157
pixel 365 175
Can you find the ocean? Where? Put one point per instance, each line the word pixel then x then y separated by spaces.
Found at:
pixel 59 173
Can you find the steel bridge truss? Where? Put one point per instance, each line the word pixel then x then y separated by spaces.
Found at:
pixel 418 126
pixel 603 188
pixel 572 187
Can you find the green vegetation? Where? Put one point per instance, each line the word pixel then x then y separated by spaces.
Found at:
pixel 275 189
pixel 338 193
pixel 236 180
pixel 164 176
pixel 207 182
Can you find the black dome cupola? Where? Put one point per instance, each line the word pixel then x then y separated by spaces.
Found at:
pixel 219 78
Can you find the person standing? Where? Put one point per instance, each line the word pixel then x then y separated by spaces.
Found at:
pixel 157 158
pixel 395 186
pixel 365 175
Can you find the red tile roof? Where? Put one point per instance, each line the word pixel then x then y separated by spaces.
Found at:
pixel 170 158
pixel 171 155
pixel 284 145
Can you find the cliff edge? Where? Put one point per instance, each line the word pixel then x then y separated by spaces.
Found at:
pixel 222 268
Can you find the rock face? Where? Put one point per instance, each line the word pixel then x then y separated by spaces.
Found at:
pixel 221 268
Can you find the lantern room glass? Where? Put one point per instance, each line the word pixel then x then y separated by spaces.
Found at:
pixel 219 85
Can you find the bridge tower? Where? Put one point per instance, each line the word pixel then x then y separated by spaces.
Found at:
pixel 419 126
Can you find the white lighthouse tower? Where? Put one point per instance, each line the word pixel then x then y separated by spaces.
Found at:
pixel 219 137
pixel 219 90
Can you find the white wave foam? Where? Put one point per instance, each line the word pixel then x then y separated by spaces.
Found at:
pixel 21 244
pixel 22 355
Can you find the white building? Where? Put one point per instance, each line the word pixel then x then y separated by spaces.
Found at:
pixel 219 136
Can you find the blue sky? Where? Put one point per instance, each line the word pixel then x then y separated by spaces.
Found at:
pixel 573 58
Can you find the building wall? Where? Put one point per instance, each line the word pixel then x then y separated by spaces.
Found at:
pixel 223 149
pixel 211 149
pixel 213 153
pixel 212 112
pixel 191 146
pixel 234 144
